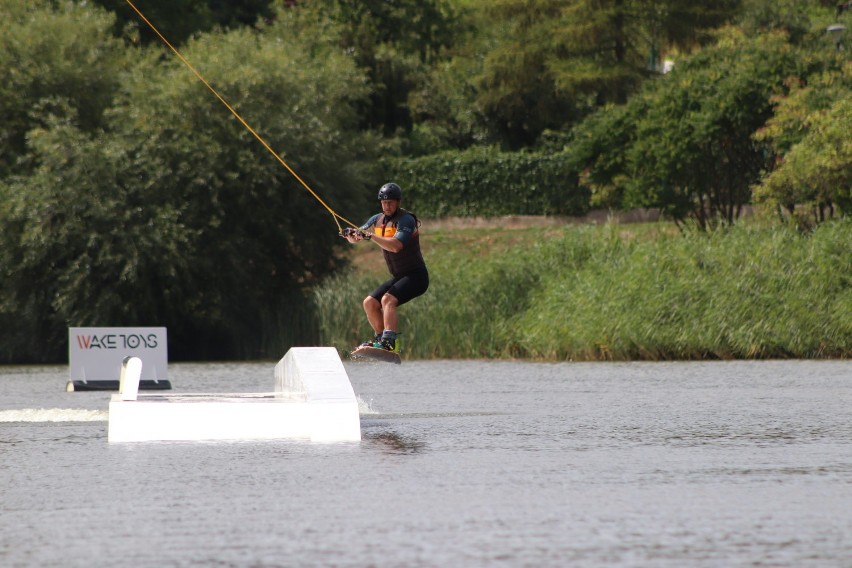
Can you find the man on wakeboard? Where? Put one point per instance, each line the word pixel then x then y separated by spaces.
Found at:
pixel 396 231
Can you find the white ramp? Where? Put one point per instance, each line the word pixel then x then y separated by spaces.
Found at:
pixel 313 400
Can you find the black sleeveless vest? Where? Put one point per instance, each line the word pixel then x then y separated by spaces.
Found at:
pixel 410 258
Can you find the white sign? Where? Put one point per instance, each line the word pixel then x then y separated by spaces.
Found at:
pixel 96 353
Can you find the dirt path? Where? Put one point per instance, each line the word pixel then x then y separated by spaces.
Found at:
pixel 526 221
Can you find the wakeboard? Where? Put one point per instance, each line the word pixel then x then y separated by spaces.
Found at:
pixel 376 354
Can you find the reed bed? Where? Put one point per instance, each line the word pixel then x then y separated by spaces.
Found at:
pixel 618 292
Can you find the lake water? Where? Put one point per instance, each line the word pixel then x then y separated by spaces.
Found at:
pixel 462 463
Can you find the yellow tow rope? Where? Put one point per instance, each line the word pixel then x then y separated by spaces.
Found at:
pixel 334 214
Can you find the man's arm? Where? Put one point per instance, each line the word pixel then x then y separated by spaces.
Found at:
pixel 404 232
pixel 391 244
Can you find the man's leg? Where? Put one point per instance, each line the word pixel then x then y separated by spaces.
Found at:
pixel 390 319
pixel 373 309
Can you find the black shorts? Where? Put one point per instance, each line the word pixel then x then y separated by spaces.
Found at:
pixel 404 288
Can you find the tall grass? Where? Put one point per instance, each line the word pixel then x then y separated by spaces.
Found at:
pixel 595 293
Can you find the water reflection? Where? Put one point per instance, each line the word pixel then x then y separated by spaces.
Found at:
pixel 393 443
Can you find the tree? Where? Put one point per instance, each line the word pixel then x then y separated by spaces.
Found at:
pixel 178 20
pixel 516 90
pixel 597 149
pixel 395 42
pixel 762 16
pixel 173 214
pixel 684 144
pixel 561 59
pixel 84 245
pixel 810 135
pixel 694 155
pixel 445 114
pixel 48 56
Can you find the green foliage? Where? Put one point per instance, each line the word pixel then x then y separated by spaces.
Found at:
pixel 741 293
pixel 516 89
pixel 560 59
pixel 761 16
pixel 607 293
pixel 128 192
pixel 445 322
pixel 694 155
pixel 695 142
pixel 810 129
pixel 487 182
pixel 394 43
pixel 420 27
pixel 178 20
pixel 443 108
pixel 683 24
pixel 88 248
pixel 597 150
pixel 48 56
pixel 173 214
pixel 687 138
pixel 478 322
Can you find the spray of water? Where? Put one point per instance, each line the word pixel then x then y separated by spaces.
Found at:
pixel 53 415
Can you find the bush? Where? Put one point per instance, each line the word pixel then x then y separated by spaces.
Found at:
pixel 486 182
pixel 607 293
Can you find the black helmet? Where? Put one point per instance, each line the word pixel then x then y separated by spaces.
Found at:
pixel 390 191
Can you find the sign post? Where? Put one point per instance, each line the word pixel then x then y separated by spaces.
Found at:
pixel 95 356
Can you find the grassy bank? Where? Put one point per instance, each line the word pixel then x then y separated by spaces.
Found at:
pixel 614 292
